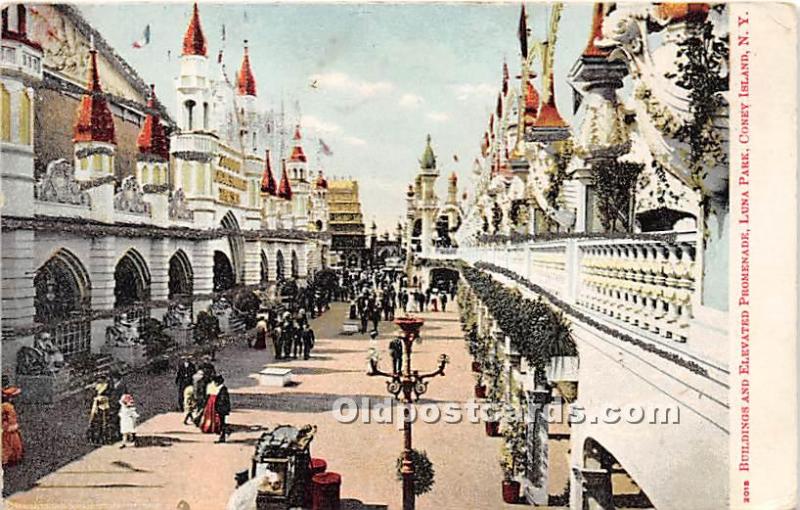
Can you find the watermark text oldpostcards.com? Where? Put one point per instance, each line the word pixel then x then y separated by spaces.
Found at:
pixel 388 411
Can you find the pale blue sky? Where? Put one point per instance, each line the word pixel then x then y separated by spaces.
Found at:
pixel 388 75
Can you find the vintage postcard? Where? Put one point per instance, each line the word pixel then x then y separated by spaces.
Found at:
pixel 313 255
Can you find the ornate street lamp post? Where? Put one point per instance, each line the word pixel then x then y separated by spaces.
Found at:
pixel 407 386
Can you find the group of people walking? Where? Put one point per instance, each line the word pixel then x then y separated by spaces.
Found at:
pixel 203 397
pixel 113 414
pixel 290 331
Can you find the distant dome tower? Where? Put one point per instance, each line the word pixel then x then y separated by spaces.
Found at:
pixel 427 203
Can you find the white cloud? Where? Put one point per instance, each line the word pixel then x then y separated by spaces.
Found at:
pixel 467 91
pixel 315 124
pixel 353 140
pixel 341 81
pixel 438 116
pixel 410 100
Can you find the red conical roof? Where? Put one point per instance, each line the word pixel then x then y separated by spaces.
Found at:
pixel 245 82
pixel 152 138
pixel 548 114
pixel 531 104
pixel 285 188
pixel 322 182
pixel 596 33
pixel 268 184
pixel 297 150
pixel 679 12
pixel 194 42
pixel 95 123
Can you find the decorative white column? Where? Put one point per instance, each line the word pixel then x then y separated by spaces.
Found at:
pixel 252 262
pixel 102 261
pixel 159 275
pixel 203 268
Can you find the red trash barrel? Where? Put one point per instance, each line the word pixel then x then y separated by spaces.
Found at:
pixel 325 489
pixel 318 466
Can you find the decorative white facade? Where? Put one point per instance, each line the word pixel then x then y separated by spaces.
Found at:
pixel 82 247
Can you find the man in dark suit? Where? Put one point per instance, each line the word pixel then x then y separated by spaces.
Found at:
pixel 308 341
pixel 396 350
pixel 183 378
pixel 223 407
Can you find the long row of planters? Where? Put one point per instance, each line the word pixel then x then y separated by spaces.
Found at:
pixel 537 333
pixel 586 319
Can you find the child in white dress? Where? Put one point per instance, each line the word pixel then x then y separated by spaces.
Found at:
pixel 127 420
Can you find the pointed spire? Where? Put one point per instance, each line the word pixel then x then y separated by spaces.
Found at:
pixel 522 32
pixel 152 138
pixel 548 113
pixel 596 33
pixel 428 161
pixel 505 78
pixel 194 42
pixel 410 192
pixel 268 184
pixel 285 188
pixel 453 177
pixel 499 106
pixel 95 123
pixel 297 151
pixel 531 104
pixel 245 82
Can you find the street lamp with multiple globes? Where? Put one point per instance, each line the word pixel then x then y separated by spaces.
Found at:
pixel 407 386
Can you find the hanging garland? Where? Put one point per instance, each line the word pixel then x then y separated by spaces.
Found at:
pixel 584 318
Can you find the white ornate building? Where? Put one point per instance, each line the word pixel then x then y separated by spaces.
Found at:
pixel 130 210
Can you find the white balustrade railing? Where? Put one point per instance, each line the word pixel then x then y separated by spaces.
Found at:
pixel 193 142
pixel 646 283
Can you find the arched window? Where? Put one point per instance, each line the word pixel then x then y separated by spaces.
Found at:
pixel 205 116
pixel 24 118
pixel 145 178
pixel 295 265
pixel 188 108
pixel 5 111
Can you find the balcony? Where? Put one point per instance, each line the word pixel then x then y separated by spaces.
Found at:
pixel 648 283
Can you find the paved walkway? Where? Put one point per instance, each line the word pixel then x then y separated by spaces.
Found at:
pixel 176 462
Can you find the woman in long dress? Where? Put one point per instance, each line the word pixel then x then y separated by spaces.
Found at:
pixel 101 423
pixel 12 440
pixel 211 423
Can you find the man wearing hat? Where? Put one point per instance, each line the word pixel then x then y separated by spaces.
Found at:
pixel 222 406
pixel 183 378
pixel 12 439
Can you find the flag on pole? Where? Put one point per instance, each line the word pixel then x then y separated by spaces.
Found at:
pixel 324 148
pixel 145 40
pixel 522 33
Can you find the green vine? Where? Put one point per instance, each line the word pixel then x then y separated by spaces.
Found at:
pixel 702 70
pixel 614 183
pixel 558 171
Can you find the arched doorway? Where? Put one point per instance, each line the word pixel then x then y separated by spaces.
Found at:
pixel 63 293
pixel 236 244
pixel 295 265
pixel 279 266
pixel 443 278
pixel 181 276
pixel 264 269
pixel 224 278
pixel 131 280
pixel 606 482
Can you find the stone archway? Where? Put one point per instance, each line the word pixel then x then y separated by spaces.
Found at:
pixel 224 278
pixel 264 280
pixel 605 483
pixel 443 277
pixel 131 280
pixel 280 266
pixel 181 276
pixel 236 245
pixel 295 265
pixel 63 293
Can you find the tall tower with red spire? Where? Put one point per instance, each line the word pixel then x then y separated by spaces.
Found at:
pixel 193 91
pixel 297 168
pixel 93 134
pixel 269 195
pixel 246 106
pixel 152 164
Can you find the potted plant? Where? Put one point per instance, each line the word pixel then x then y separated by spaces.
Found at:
pixel 493 370
pixel 513 454
pixel 480 388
